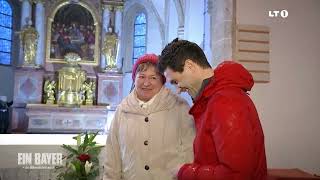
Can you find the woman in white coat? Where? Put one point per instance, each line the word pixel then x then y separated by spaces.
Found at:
pixel 151 134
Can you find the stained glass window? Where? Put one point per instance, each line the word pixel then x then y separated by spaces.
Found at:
pixel 5 32
pixel 139 36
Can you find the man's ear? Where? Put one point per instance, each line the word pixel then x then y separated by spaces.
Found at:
pixel 189 64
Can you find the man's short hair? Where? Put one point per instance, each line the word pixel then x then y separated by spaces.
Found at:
pixel 177 52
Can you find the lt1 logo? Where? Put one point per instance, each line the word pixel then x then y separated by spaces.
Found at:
pixel 275 13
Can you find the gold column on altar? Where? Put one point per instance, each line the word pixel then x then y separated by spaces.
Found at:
pixel 70 79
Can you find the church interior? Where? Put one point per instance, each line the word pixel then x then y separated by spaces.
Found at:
pixel 65 65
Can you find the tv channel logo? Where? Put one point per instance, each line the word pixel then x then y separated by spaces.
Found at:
pixel 279 13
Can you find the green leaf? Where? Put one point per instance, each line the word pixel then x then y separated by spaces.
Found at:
pixel 85 142
pixel 77 165
pixel 93 136
pixel 69 148
pixel 70 156
pixel 87 146
pixel 78 140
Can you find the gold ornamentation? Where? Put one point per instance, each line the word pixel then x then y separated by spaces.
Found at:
pixel 109 7
pixel 29 39
pixel 72 58
pixel 49 91
pixel 119 8
pixel 89 89
pixel 110 49
pixel 71 78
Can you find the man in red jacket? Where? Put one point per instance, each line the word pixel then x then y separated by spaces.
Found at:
pixel 229 142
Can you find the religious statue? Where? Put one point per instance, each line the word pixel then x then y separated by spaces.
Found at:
pixel 110 49
pixel 71 77
pixel 82 95
pixel 49 91
pixel 89 89
pixel 29 39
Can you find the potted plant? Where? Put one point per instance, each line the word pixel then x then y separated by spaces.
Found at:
pixel 82 162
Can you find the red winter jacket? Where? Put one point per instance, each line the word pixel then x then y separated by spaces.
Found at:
pixel 229 142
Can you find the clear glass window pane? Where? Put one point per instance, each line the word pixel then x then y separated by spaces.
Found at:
pixel 5 58
pixel 5 8
pixel 139 41
pixel 5 20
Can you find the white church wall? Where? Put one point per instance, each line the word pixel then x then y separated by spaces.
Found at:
pixel 160 7
pixel 154 39
pixel 173 23
pixel 289 105
pixel 127 83
pixel 194 21
pixel 6 80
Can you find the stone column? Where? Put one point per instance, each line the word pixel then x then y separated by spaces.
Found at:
pixel 207 29
pixel 104 29
pixel 118 28
pixel 25 12
pixel 39 25
pixel 222 31
pixel 25 15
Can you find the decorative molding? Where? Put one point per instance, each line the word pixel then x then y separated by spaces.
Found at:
pixel 113 2
pixel 30 1
pixel 109 7
pixel 37 1
pixel 119 8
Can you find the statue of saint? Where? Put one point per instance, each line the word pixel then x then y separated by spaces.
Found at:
pixel 49 90
pixel 29 38
pixel 110 49
pixel 89 89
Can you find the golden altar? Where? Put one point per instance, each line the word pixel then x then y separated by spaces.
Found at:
pixel 62 85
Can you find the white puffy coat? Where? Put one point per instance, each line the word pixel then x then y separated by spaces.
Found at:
pixel 148 144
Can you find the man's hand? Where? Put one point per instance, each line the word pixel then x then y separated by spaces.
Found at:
pixel 181 89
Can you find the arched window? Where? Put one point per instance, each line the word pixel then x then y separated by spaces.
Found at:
pixel 139 36
pixel 5 32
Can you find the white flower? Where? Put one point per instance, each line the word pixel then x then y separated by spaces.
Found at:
pixel 87 167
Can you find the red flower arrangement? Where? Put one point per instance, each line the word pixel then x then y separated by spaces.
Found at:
pixel 84 157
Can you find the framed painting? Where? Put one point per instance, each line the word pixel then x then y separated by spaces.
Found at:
pixel 73 27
